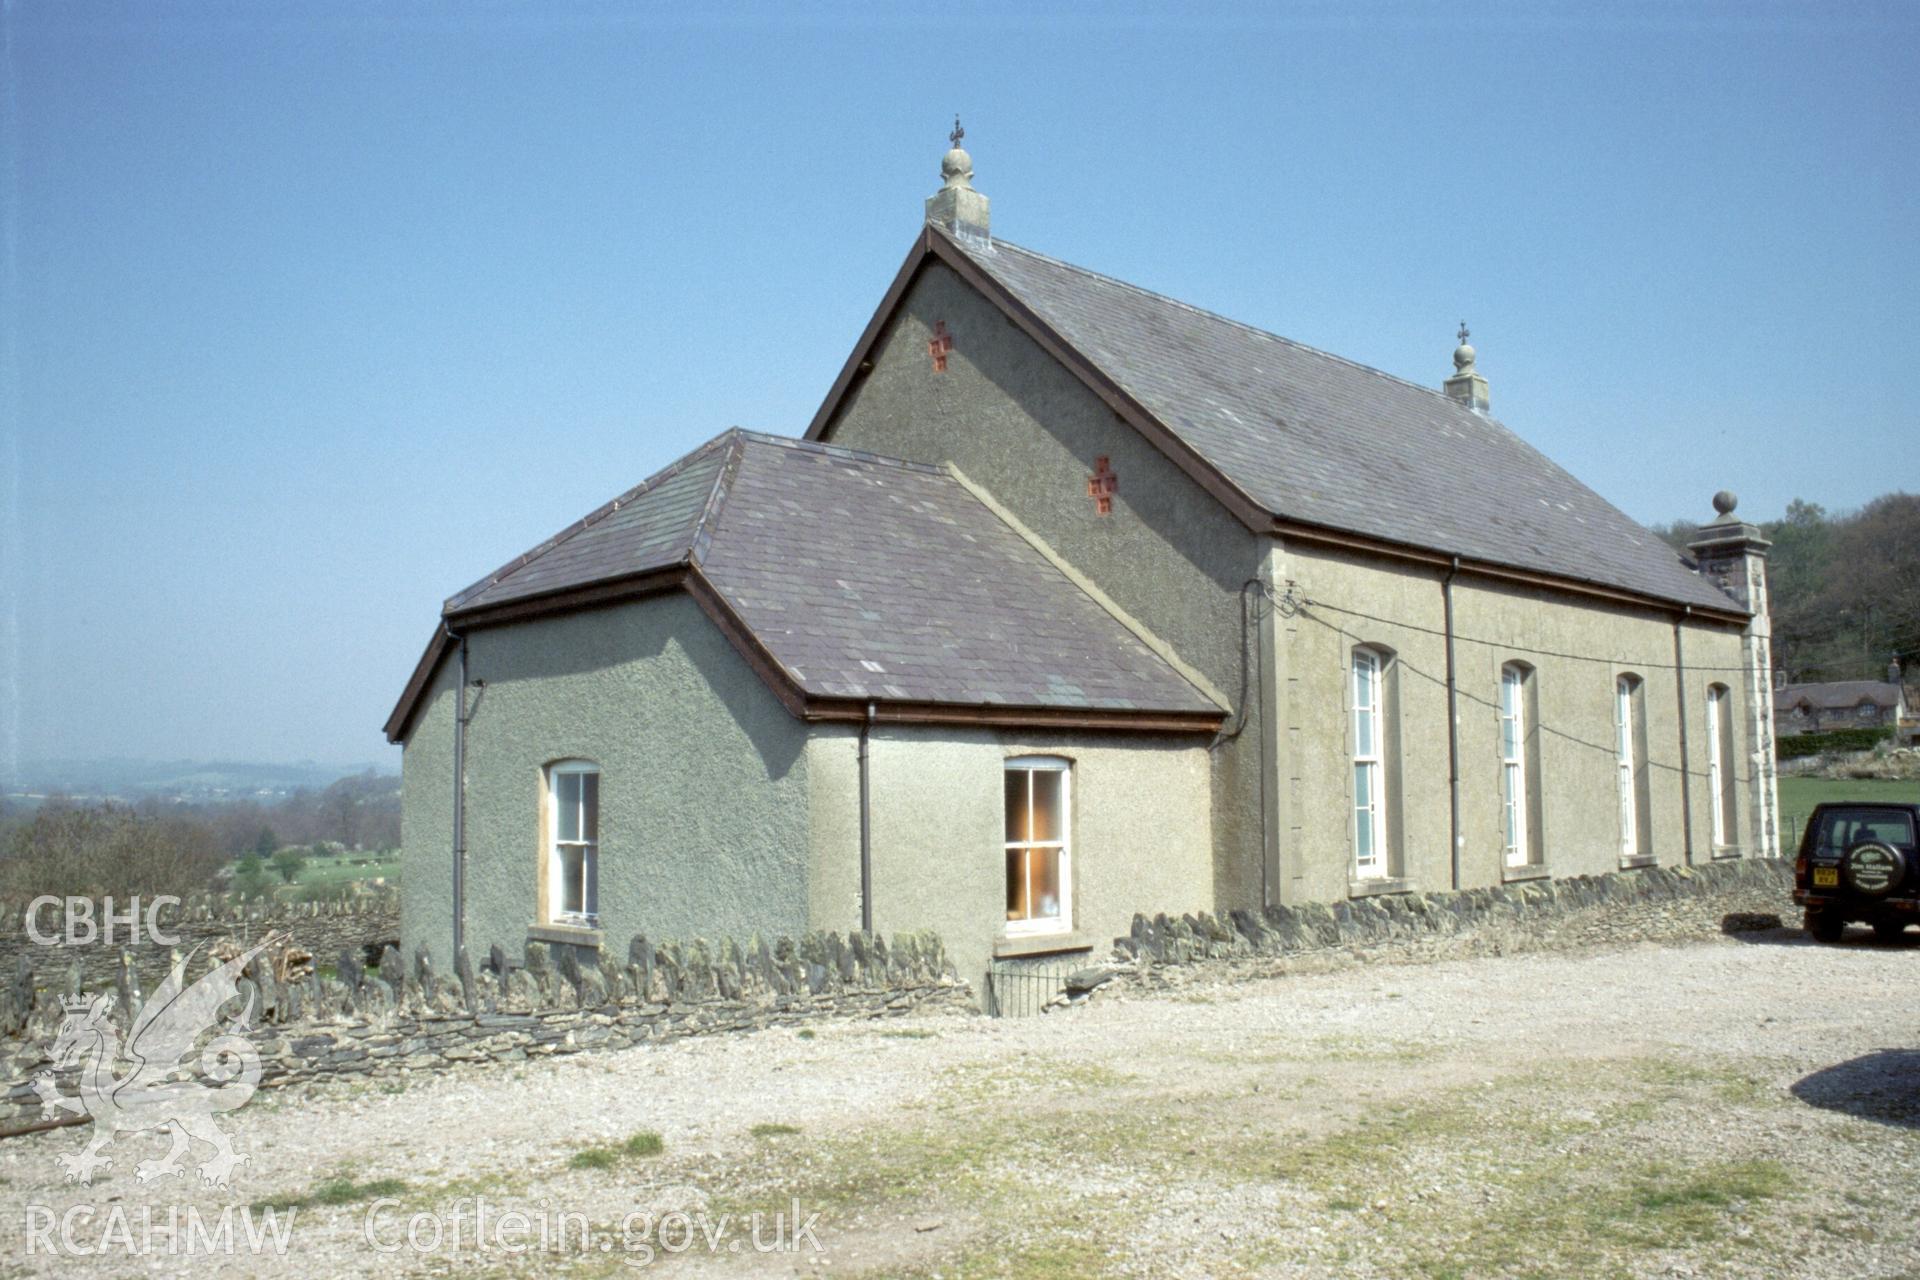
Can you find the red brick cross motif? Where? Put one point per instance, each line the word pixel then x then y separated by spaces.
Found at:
pixel 938 345
pixel 1102 485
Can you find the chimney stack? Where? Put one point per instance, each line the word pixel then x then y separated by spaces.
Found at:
pixel 1893 671
pixel 1466 385
pixel 957 206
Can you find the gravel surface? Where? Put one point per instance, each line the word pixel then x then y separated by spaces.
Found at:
pixel 1702 1105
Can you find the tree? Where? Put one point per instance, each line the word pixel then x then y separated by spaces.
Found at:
pixel 1845 588
pixel 266 842
pixel 289 862
pixel 250 877
pixel 107 849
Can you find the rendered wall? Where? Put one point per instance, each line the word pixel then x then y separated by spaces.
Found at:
pixel 703 792
pixel 1015 421
pixel 1019 423
pixel 1140 809
pixel 1574 729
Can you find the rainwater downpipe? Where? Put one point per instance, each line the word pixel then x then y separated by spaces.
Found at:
pixel 1686 758
pixel 460 803
pixel 866 827
pixel 1453 727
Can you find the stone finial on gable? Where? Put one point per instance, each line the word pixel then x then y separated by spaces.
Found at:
pixel 956 205
pixel 1730 552
pixel 1466 385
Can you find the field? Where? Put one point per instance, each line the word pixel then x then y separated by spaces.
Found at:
pixel 350 866
pixel 1799 795
pixel 329 874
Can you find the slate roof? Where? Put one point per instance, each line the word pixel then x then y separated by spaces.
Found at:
pixel 1837 695
pixel 1314 438
pixel 863 577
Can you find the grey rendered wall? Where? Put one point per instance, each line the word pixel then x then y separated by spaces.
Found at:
pixel 1494 623
pixel 426 823
pixel 704 824
pixel 1140 831
pixel 1019 424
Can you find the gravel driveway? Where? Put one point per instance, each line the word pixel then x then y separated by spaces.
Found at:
pixel 1705 1106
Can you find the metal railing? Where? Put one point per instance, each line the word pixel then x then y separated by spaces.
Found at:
pixel 1023 988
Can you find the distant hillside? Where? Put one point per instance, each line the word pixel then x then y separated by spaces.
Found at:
pixel 179 779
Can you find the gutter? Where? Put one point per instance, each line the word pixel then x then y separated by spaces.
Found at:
pixel 1453 725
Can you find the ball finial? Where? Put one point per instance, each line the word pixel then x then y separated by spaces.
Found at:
pixel 1725 501
pixel 956 167
pixel 1463 354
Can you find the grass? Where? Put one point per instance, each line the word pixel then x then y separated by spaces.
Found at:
pixel 638 1147
pixel 336 1191
pixel 339 871
pixel 1799 795
pixel 770 1130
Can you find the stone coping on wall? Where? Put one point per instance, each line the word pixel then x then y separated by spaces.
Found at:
pixel 1282 930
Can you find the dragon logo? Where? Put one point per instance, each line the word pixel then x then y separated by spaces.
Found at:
pixel 160 1090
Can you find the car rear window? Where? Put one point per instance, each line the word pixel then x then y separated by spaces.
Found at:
pixel 1841 829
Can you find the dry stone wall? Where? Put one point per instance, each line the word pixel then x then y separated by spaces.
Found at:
pixel 358 920
pixel 396 1017
pixel 1524 907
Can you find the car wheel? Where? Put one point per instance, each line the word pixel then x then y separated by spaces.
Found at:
pixel 1889 930
pixel 1825 926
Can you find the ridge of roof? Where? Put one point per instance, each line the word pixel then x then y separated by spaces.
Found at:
pixel 1837 688
pixel 605 509
pixel 1169 300
pixel 838 451
pixel 699 536
pixel 1220 446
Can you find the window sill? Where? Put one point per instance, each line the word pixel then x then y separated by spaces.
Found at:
pixel 1373 886
pixel 1008 947
pixel 1727 853
pixel 1531 871
pixel 1639 860
pixel 572 935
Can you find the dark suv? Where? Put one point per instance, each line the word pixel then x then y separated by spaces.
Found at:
pixel 1859 862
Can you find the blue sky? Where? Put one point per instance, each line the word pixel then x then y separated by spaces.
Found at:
pixel 315 313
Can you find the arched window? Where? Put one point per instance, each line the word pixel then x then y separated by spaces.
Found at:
pixel 1373 709
pixel 1519 766
pixel 1720 771
pixel 1369 771
pixel 570 886
pixel 1630 767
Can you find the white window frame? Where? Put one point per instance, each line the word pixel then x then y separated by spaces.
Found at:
pixel 1063 922
pixel 555 866
pixel 1623 688
pixel 1716 713
pixel 1369 773
pixel 1513 763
